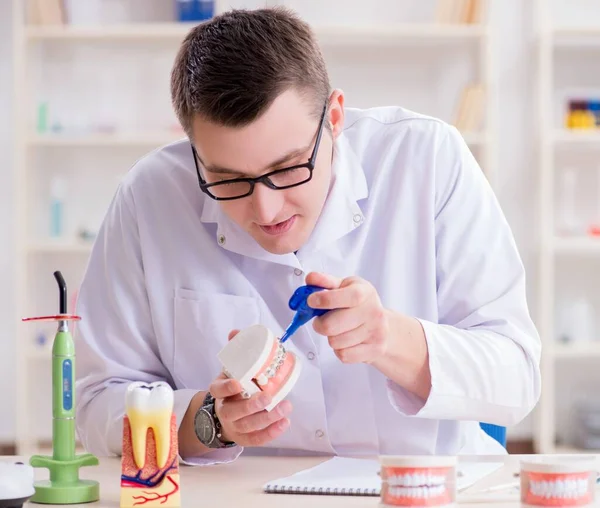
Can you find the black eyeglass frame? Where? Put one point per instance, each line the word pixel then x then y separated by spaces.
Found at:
pixel 310 165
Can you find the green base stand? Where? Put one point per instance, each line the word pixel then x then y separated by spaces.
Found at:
pixel 65 486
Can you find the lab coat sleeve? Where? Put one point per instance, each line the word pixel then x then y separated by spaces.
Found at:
pixel 484 350
pixel 115 342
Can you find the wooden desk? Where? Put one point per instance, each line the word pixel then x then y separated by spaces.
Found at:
pixel 239 484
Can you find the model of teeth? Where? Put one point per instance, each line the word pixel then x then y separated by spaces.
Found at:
pixel 418 481
pixel 257 359
pixel 150 406
pixel 562 481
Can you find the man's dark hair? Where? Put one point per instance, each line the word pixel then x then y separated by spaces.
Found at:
pixel 230 69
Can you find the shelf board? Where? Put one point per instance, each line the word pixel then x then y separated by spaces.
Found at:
pixel 104 140
pixel 364 35
pixel 581 246
pixel 576 37
pixel 577 137
pixel 573 450
pixel 60 247
pixel 130 31
pixel 475 138
pixel 576 350
pixel 328 34
pixel 39 353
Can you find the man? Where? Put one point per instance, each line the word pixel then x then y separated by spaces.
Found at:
pixel 279 185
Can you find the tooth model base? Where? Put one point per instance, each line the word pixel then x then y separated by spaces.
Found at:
pixel 149 460
pixel 420 481
pixel 558 482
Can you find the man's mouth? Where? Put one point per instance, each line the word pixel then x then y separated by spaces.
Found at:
pixel 280 227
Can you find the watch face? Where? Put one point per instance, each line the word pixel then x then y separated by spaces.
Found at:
pixel 205 429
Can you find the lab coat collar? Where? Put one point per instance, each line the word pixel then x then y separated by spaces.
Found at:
pixel 341 213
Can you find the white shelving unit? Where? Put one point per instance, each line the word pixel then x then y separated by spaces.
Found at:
pixel 32 251
pixel 558 251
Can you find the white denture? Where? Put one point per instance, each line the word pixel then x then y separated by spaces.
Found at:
pixel 418 492
pixel 244 356
pixel 562 489
pixel 416 480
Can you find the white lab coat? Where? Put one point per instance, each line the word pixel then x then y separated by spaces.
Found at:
pixel 409 210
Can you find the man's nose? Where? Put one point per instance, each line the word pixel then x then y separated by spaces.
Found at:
pixel 267 203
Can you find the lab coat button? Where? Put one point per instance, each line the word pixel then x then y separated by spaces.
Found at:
pixel 298 272
pixel 221 239
pixel 357 218
pixel 310 355
pixel 319 434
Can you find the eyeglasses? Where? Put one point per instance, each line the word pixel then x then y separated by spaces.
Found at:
pixel 284 178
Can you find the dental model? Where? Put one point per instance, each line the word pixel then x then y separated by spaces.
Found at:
pixel 149 463
pixel 558 482
pixel 418 481
pixel 16 484
pixel 258 360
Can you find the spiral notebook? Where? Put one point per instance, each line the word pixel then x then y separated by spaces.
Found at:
pixel 343 476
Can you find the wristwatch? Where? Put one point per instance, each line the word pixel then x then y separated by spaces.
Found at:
pixel 207 425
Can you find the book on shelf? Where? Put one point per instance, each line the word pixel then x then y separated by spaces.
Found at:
pixel 470 111
pixel 467 12
pixel 46 12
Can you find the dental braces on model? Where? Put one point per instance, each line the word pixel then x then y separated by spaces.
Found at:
pixel 271 372
pixel 260 362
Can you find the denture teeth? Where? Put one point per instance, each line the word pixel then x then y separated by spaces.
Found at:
pixel 150 406
pixel 565 488
pixel 262 380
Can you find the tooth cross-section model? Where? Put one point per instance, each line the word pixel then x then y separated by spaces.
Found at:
pixel 418 481
pixel 560 481
pixel 257 359
pixel 149 463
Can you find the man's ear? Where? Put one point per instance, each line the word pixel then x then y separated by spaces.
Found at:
pixel 336 112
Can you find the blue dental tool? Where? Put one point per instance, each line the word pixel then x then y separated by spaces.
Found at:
pixel 304 313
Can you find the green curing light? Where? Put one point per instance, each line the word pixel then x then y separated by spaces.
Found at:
pixel 64 485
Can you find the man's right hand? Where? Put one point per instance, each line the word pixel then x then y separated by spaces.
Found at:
pixel 246 421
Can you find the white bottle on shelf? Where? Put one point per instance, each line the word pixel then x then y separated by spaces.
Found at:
pixel 578 321
pixel 568 221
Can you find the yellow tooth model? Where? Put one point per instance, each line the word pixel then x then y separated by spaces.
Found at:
pixel 149 462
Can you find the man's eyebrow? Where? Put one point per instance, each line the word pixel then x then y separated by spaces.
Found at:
pixel 287 157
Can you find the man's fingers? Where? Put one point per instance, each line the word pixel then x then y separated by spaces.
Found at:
pixel 349 339
pixel 261 420
pixel 337 322
pixel 355 354
pixel 342 298
pixel 261 437
pixel 323 280
pixel 233 410
pixel 223 387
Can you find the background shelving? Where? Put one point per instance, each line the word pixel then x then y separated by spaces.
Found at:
pixel 568 46
pixel 368 57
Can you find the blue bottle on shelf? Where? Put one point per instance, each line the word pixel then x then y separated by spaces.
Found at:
pixel 195 10
pixel 594 106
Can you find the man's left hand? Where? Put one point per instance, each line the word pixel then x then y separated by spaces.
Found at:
pixel 357 326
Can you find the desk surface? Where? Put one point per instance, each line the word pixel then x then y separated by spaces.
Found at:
pixel 240 484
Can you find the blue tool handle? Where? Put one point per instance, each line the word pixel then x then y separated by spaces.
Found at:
pixel 298 301
pixel 304 313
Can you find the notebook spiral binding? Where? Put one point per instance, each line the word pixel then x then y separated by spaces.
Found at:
pixel 283 489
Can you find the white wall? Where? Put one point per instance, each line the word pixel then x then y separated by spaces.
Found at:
pixel 7 396
pixel 516 165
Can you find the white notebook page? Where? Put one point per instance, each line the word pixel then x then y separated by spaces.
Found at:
pixel 351 474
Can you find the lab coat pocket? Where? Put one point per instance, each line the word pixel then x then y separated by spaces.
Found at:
pixel 202 322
